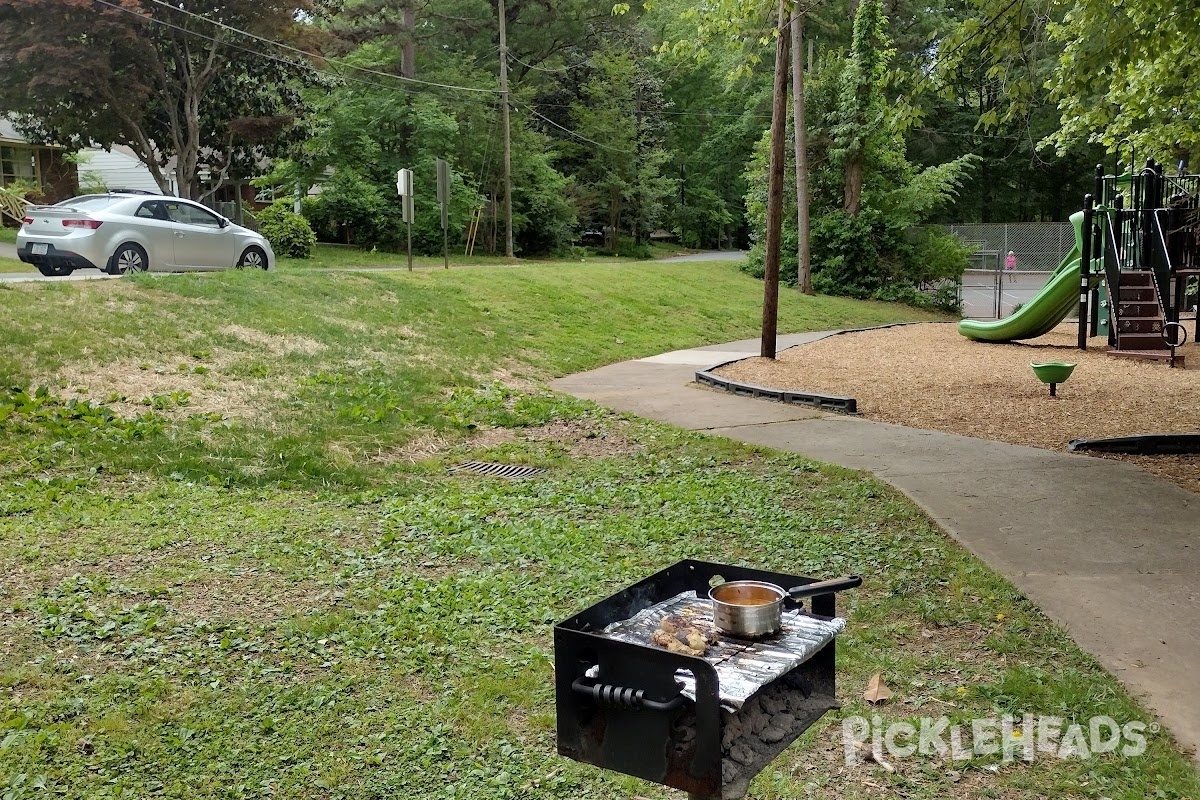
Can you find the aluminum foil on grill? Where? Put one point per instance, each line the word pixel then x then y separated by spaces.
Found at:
pixel 743 666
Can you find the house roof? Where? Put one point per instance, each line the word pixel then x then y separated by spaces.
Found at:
pixel 9 134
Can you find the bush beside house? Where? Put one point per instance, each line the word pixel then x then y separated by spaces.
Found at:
pixel 289 233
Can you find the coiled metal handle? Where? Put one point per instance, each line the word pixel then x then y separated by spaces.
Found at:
pixel 605 694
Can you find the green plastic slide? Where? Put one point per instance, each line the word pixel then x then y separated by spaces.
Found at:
pixel 1047 308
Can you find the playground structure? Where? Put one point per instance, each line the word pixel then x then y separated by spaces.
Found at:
pixel 1131 272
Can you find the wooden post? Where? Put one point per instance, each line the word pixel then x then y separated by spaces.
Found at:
pixel 770 319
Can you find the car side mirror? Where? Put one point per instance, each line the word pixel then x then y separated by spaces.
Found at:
pixel 224 223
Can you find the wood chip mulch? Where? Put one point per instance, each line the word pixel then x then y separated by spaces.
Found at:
pixel 928 376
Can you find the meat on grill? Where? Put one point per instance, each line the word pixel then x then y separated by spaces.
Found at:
pixel 680 635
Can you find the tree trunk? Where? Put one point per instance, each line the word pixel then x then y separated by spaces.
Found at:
pixel 614 222
pixel 803 236
pixel 408 52
pixel 854 181
pixel 775 172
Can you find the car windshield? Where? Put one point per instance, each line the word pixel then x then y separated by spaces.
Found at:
pixel 91 203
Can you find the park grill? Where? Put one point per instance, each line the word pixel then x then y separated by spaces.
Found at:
pixel 704 724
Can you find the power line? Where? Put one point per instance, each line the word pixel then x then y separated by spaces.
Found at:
pixel 570 132
pixel 268 56
pixel 487 152
pixel 282 46
pixel 550 69
pixel 703 114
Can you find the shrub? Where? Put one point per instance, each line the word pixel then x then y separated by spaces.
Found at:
pixel 352 210
pixel 937 256
pixel 755 265
pixel 628 248
pixel 289 233
pixel 943 297
pixel 872 256
pixel 849 253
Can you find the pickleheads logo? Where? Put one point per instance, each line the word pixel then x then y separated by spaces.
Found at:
pixel 1009 737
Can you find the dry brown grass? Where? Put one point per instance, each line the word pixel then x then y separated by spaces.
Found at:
pixel 928 376
pixel 250 594
pixel 587 438
pixel 273 344
pixel 134 383
pixel 125 386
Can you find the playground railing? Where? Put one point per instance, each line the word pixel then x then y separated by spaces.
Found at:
pixel 1181 186
pixel 1112 259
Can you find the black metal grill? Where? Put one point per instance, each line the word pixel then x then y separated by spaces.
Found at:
pixel 621 704
pixel 510 471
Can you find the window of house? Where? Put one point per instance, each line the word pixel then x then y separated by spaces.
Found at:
pixel 16 164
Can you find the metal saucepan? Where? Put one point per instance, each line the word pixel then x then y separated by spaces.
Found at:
pixel 753 608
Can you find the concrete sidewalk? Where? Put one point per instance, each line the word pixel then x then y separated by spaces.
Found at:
pixel 1108 551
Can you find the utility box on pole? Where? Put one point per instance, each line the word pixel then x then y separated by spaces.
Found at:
pixel 443 197
pixel 404 188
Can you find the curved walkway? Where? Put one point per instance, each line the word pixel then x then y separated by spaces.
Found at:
pixel 1106 550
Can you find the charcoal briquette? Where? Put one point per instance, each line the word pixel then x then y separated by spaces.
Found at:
pixel 773 734
pixel 774 702
pixel 742 754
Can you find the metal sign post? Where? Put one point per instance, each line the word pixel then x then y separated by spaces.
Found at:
pixel 443 196
pixel 404 187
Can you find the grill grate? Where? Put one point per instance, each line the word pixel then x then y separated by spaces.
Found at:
pixel 509 471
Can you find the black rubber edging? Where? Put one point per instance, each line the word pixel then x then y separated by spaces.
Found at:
pixel 824 402
pixel 1152 444
pixel 845 405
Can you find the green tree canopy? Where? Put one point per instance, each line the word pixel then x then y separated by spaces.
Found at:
pixel 155 77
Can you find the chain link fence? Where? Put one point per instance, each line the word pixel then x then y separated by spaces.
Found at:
pixel 1036 246
pixel 995 285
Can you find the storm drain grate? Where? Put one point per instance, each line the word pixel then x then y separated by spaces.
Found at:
pixel 510 471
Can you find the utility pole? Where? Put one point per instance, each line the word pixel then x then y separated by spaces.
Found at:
pixel 508 231
pixel 770 320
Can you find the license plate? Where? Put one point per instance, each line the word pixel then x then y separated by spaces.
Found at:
pixel 39 249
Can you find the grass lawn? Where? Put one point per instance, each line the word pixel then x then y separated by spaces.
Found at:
pixel 8 235
pixel 13 265
pixel 233 564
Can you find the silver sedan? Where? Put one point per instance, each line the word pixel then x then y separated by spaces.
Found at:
pixel 123 233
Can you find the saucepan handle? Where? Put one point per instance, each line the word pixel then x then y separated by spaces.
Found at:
pixel 825 587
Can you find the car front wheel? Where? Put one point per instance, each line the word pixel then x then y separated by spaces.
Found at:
pixel 253 258
pixel 128 259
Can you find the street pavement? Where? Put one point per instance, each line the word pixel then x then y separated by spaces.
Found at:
pixel 710 255
pixel 35 277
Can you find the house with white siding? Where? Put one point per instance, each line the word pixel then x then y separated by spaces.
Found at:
pixel 112 170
